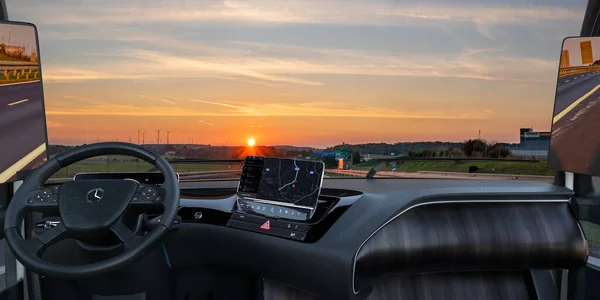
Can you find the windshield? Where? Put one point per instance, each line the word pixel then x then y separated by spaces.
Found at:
pixel 351 83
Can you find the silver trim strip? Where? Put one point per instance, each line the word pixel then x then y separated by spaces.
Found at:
pixel 430 203
pixel 595 262
pixel 276 203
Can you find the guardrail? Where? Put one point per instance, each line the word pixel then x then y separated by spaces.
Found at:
pixel 12 68
pixel 436 174
pixel 19 71
pixel 183 176
pixel 18 63
pixel 212 175
pixel 492 175
pixel 576 70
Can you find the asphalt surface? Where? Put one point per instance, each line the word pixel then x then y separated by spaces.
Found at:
pixel 571 87
pixel 22 123
pixel 575 144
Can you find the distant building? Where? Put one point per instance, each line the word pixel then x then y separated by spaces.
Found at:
pixel 565 61
pixel 587 56
pixel 170 153
pixel 532 143
pixel 11 49
pixel 34 57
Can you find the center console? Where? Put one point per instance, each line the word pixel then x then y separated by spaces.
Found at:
pixel 279 196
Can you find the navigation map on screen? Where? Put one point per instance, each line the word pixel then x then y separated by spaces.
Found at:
pixel 293 181
pixel 289 181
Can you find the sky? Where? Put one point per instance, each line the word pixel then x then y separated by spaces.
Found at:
pixel 306 73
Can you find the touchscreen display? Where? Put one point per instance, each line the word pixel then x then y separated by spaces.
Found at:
pixel 290 182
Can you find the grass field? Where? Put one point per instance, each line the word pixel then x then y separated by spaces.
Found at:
pixel 517 168
pixel 128 164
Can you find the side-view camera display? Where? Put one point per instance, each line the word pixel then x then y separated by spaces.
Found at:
pixel 23 135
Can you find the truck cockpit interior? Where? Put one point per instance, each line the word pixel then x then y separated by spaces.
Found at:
pixel 277 227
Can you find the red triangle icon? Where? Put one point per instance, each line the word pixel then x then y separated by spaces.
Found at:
pixel 266 225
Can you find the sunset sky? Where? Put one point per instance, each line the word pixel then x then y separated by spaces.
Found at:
pixel 306 73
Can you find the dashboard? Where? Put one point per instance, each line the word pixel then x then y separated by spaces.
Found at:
pixel 364 231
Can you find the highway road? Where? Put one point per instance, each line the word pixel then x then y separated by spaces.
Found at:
pixel 572 87
pixel 22 127
pixel 576 124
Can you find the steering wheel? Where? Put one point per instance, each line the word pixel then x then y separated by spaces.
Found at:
pixel 88 208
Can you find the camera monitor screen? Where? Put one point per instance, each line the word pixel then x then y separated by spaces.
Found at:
pixel 23 135
pixel 278 187
pixel 575 142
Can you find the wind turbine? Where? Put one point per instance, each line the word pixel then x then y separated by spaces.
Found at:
pixel 168 132
pixel 158 136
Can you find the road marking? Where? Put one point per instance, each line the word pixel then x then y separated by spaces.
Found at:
pixel 17 102
pixel 22 163
pixel 575 103
pixel 16 83
pixel 567 81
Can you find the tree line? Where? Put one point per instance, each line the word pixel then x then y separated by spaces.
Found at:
pixel 469 148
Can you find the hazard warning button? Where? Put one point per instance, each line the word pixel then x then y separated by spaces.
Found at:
pixel 266 225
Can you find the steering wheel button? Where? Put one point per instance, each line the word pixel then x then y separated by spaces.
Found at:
pixel 30 201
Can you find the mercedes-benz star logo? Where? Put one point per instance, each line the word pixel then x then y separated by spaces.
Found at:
pixel 95 195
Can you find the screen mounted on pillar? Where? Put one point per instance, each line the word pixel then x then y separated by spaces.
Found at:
pixel 23 136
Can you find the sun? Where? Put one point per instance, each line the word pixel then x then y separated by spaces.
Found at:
pixel 251 142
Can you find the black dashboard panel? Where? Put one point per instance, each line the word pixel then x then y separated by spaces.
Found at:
pixel 325 266
pixel 447 286
pixel 472 236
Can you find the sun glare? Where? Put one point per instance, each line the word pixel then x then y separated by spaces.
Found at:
pixel 251 142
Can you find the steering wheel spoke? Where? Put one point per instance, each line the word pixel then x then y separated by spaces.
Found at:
pixel 130 239
pixel 39 243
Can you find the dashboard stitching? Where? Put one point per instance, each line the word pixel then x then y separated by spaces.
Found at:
pixel 431 203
